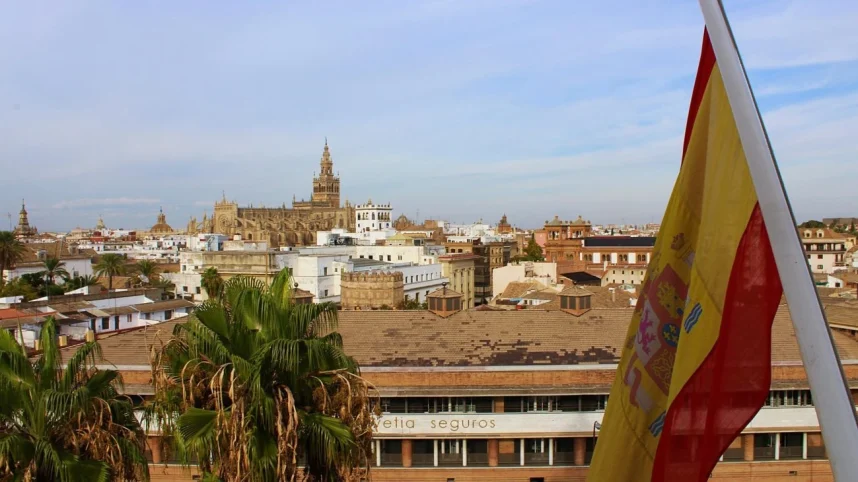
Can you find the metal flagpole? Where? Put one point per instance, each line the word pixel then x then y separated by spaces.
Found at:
pixel 831 397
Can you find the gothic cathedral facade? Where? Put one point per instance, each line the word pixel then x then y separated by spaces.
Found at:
pixel 295 226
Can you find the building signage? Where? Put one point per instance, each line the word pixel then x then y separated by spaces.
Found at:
pixel 547 424
pixel 488 424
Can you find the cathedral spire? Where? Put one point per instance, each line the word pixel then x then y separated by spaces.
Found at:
pixel 326 162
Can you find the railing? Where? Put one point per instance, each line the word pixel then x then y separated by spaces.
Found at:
pixel 509 459
pixel 422 460
pixel 391 460
pixel 816 452
pixel 764 453
pixel 478 459
pixel 564 458
pixel 734 454
pixel 449 459
pixel 790 453
pixel 536 458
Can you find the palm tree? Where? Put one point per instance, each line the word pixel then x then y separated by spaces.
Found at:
pixel 11 251
pixel 81 282
pixel 212 282
pixel 110 265
pixel 147 268
pixel 65 423
pixel 53 267
pixel 253 383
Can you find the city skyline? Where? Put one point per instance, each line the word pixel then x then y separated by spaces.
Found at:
pixel 460 111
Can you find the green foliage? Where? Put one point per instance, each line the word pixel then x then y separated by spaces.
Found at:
pixel 409 304
pixel 253 382
pixel 52 269
pixel 812 224
pixel 19 287
pixel 65 423
pixel 80 282
pixel 11 252
pixel 212 282
pixel 533 252
pixel 110 265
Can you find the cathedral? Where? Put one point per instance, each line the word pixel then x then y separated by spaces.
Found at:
pixel 282 226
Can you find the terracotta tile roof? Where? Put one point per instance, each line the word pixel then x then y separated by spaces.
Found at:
pixel 517 289
pixel 785 346
pixel 132 346
pixel 843 314
pixel 846 276
pixel 575 291
pixel 521 337
pixel 444 293
pixel 549 294
pixel 474 338
pixel 163 305
pixel 10 317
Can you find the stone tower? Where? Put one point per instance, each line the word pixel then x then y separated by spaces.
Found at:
pixel 326 187
pixel 24 228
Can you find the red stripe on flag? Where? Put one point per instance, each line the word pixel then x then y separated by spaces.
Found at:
pixel 704 70
pixel 733 381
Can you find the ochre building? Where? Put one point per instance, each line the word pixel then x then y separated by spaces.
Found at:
pixel 295 226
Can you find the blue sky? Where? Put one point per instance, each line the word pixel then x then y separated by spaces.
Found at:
pixel 459 109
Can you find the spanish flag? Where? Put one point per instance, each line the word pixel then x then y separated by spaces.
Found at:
pixel 696 363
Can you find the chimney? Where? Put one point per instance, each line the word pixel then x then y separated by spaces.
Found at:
pixel 613 294
pixel 444 302
pixel 575 300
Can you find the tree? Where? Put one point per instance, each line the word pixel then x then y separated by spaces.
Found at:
pixel 19 287
pixel 212 282
pixel 148 269
pixel 812 224
pixel 11 252
pixel 81 282
pixel 110 265
pixel 253 382
pixel 53 267
pixel 65 423
pixel 533 251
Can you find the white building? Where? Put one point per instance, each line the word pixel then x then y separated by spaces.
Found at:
pixel 544 273
pixel 373 217
pixel 825 250
pixel 76 265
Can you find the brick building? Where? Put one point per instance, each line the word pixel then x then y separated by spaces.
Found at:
pixel 484 395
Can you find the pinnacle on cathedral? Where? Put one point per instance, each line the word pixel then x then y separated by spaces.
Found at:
pixel 326 162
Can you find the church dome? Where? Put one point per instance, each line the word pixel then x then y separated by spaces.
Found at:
pixel 161 226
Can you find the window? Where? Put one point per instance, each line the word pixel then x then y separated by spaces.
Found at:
pixel 819 266
pixel 105 323
pixel 400 257
pixel 185 289
pixel 168 314
pixel 326 292
pixel 388 257
pixel 198 290
pixel 116 322
pixel 370 256
pixel 818 256
pixel 128 318
pixel 326 269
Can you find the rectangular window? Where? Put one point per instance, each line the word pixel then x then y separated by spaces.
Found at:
pixel 326 293
pixel 105 323
pixel 116 322
pixel 128 318
pixel 819 266
pixel 818 256
pixel 198 290
pixel 326 269
pixel 185 289
pixel 168 314
pixel 399 257
pixel 388 257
